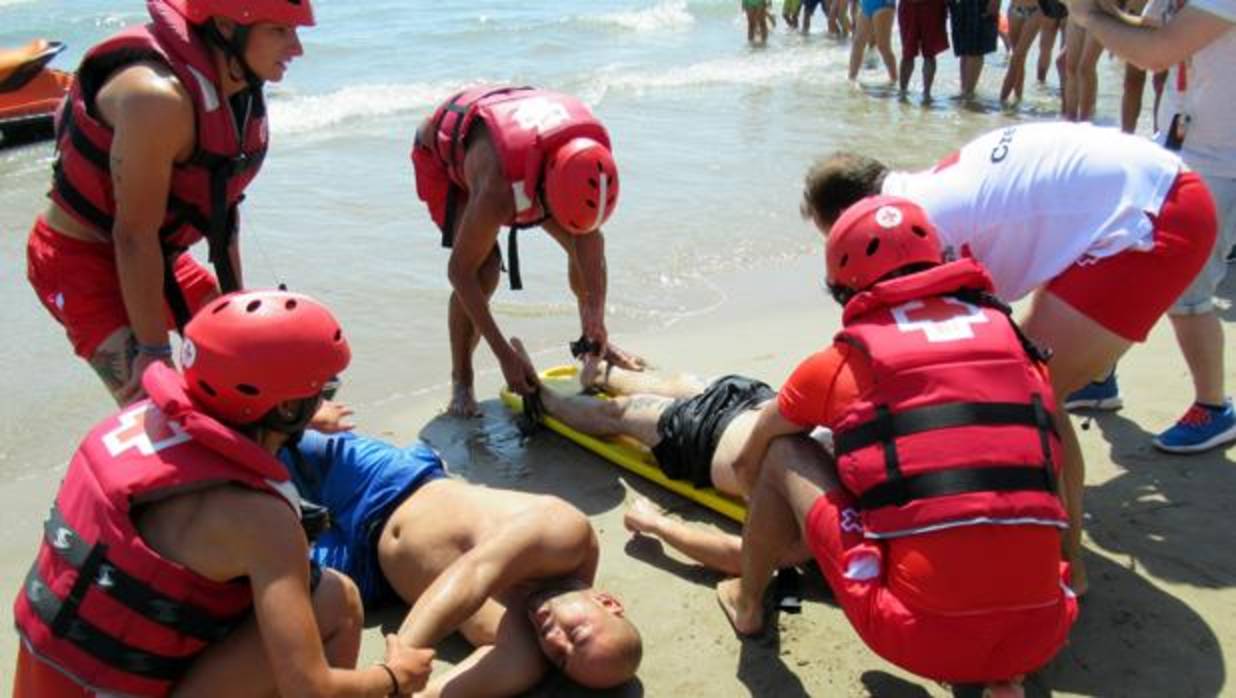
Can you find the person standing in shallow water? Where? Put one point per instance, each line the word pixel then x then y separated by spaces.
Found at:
pixel 162 131
pixel 520 157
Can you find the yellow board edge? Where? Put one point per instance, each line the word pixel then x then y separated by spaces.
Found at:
pixel 626 452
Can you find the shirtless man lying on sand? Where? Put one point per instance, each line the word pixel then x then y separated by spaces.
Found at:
pixel 511 571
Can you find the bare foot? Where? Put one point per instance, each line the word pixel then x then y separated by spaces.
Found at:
pixel 1078 580
pixel 642 516
pixel 463 402
pixel 592 373
pixel 747 620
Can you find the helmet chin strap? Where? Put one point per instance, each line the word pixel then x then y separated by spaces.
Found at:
pixel 293 424
pixel 234 49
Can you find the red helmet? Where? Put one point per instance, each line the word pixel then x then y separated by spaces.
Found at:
pixel 878 236
pixel 248 351
pixel 297 13
pixel 581 185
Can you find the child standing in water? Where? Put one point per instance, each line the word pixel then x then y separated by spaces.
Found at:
pixel 757 20
pixel 789 12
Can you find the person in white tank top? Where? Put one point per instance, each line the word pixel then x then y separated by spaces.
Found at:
pixel 1086 218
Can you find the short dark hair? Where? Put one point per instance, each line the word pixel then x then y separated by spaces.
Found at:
pixel 839 181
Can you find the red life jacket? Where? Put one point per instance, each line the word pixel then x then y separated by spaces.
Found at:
pixel 205 189
pixel 525 125
pixel 100 605
pixel 956 428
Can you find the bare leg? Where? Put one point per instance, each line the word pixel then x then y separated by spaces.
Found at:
pixel 113 362
pixel 1201 341
pixel 929 76
pixel 1088 90
pixel 712 548
pixel 1023 33
pixel 633 415
pixel 792 478
pixel 1082 349
pixel 883 22
pixel 619 381
pixel 1047 41
pixel 905 72
pixel 1131 100
pixel 858 47
pixel 971 70
pixel 1074 44
pixel 464 338
pixel 237 666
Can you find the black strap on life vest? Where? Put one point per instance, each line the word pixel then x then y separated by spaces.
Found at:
pixel 96 573
pixel 315 518
pixel 897 490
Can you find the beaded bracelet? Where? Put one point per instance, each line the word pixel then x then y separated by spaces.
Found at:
pixel 161 351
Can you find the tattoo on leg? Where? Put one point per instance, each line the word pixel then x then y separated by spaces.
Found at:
pixel 114 365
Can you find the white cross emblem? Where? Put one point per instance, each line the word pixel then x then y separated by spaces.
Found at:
pixel 951 329
pixel 148 437
pixel 888 217
pixel 539 114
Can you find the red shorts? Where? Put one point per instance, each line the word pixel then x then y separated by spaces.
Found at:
pixel 35 679
pixel 958 648
pixel 77 283
pixel 1128 292
pixel 923 26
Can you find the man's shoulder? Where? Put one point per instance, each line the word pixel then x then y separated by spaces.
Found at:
pixel 146 90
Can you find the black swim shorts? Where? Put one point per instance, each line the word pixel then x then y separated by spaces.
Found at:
pixel 691 428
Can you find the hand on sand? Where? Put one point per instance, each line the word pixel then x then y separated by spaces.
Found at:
pixel 411 666
pixel 642 516
pixel 746 619
pixel 463 401
pixel 332 417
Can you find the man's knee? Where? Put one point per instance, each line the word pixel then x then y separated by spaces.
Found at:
pixel 337 605
pixel 802 456
pixel 490 271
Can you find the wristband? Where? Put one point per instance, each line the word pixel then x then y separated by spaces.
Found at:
pixel 162 351
pixel 584 346
pixel 394 681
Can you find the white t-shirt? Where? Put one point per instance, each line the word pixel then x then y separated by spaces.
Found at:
pixel 1209 98
pixel 1027 201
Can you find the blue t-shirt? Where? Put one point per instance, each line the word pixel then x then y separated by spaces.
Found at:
pixel 360 480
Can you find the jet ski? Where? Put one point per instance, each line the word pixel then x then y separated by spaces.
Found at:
pixel 30 92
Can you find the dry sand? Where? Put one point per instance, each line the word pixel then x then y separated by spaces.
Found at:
pixel 1160 619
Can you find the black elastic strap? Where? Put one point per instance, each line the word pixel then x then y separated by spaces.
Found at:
pixel 173 294
pixel 98 644
pixel 954 481
pixel 884 433
pixel 219 236
pixel 129 591
pixel 512 259
pixel 1045 427
pixel 957 414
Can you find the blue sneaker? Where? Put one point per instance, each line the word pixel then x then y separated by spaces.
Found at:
pixel 1096 395
pixel 1200 428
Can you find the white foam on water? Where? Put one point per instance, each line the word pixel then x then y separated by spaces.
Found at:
pixel 669 15
pixel 298 114
pixel 761 68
